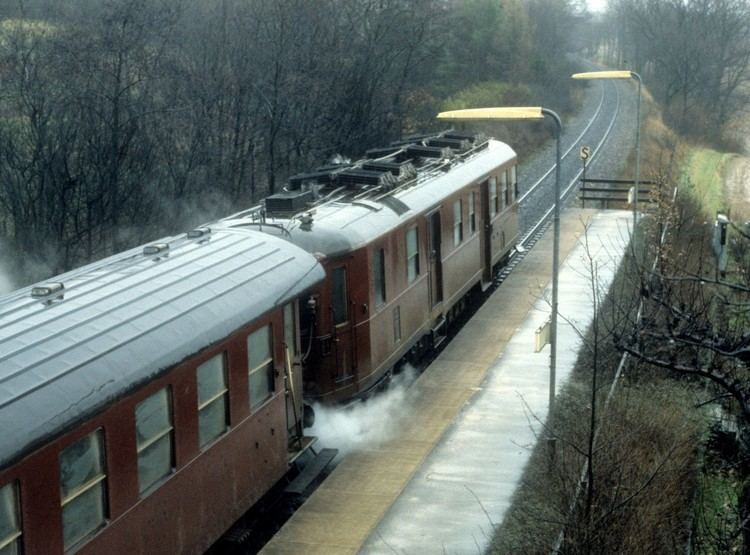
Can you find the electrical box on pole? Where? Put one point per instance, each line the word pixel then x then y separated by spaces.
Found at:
pixel 721 227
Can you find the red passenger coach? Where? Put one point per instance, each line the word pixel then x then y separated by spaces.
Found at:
pixel 148 400
pixel 404 236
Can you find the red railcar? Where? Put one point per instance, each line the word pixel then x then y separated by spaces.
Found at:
pixel 144 399
pixel 404 238
pixel 149 399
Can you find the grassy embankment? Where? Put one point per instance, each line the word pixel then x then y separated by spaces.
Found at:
pixel 703 177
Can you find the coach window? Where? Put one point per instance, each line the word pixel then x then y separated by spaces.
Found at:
pixel 153 422
pixel 472 214
pixel 378 276
pixel 338 295
pixel 10 522
pixel 412 254
pixel 493 196
pixel 514 182
pixel 260 363
pixel 458 224
pixel 212 399
pixel 83 488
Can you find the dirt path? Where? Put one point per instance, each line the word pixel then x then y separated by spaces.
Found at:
pixel 737 187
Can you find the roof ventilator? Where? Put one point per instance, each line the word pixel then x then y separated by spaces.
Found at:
pixel 202 233
pixel 417 151
pixel 49 292
pixel 288 202
pixel 306 220
pixel 157 249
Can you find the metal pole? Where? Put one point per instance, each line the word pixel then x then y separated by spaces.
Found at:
pixel 583 187
pixel 637 157
pixel 555 264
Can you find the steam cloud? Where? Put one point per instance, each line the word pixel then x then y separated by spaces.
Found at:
pixel 367 424
pixel 6 285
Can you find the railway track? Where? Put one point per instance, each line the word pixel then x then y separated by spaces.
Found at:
pixel 535 205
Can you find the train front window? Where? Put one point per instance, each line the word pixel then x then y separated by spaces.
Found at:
pixel 378 276
pixel 493 196
pixel 338 295
pixel 412 254
pixel 10 522
pixel 212 399
pixel 83 488
pixel 153 422
pixel 458 224
pixel 260 363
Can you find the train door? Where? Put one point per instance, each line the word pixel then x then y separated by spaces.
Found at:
pixel 293 371
pixel 436 265
pixel 342 320
pixel 486 233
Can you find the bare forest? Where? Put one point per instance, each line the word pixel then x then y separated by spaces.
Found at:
pixel 124 120
pixel 694 56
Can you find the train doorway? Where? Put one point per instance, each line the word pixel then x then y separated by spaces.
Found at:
pixel 486 233
pixel 343 324
pixel 436 264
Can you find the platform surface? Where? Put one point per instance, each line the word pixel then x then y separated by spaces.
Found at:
pixel 441 483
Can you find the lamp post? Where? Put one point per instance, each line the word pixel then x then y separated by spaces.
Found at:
pixel 625 74
pixel 530 113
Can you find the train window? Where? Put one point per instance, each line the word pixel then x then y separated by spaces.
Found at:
pixel 508 191
pixel 338 294
pixel 514 182
pixel 378 276
pixel 493 196
pixel 260 363
pixel 458 224
pixel 503 190
pixel 10 522
pixel 153 422
pixel 412 254
pixel 290 330
pixel 397 324
pixel 83 488
pixel 212 399
pixel 472 214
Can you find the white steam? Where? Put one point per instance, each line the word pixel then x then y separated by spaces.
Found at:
pixel 367 424
pixel 6 285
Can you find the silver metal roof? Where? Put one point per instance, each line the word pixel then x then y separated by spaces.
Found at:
pixel 340 226
pixel 127 318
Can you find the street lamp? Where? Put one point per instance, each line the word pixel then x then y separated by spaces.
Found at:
pixel 526 113
pixel 625 74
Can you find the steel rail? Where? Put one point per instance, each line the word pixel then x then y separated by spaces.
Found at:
pixel 544 219
pixel 572 145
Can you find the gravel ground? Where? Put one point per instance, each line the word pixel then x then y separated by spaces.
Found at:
pixel 617 100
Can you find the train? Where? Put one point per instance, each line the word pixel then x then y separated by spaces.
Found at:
pixel 149 399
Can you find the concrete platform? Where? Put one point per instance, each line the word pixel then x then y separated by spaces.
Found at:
pixel 449 475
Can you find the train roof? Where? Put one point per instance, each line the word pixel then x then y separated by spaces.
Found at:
pixel 342 224
pixel 124 320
